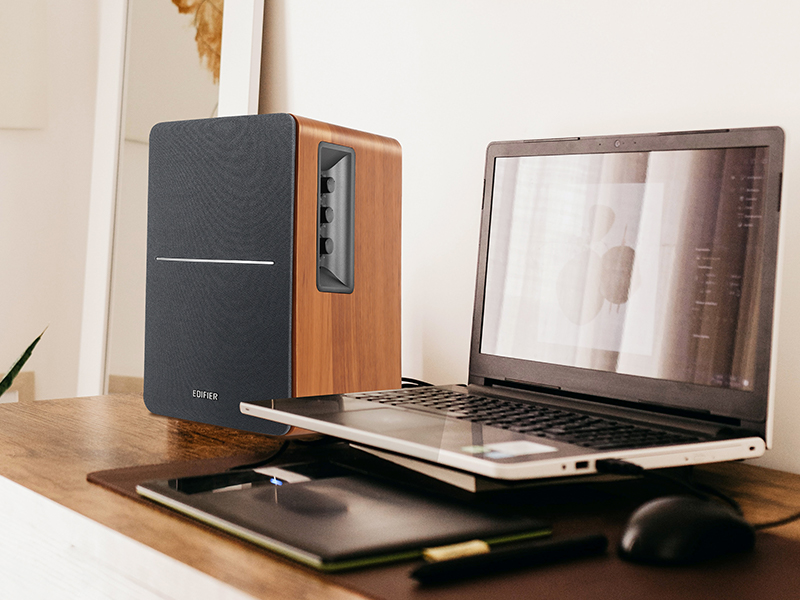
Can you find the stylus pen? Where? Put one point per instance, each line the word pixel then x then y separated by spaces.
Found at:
pixel 509 559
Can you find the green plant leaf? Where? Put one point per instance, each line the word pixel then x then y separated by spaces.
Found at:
pixel 14 371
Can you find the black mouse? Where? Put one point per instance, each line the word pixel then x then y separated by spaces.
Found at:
pixel 683 530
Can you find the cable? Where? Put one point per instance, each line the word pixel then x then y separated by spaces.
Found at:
pixel 621 467
pixel 702 491
pixel 409 382
pixel 616 466
pixel 721 495
pixel 784 521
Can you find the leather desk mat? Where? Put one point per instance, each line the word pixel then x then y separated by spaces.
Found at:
pixel 771 571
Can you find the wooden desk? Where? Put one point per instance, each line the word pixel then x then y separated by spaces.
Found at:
pixel 64 537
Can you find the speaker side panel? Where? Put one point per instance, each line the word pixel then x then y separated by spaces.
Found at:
pixel 219 268
pixel 347 342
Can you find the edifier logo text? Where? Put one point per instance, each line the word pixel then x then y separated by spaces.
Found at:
pixel 204 394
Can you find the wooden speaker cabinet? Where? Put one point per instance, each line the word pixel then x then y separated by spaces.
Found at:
pixel 273 265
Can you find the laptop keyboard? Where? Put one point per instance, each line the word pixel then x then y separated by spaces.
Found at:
pixel 581 429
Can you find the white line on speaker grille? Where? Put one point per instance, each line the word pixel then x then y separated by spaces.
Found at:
pixel 217 261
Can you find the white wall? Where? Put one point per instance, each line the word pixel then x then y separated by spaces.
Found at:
pixel 447 77
pixel 44 193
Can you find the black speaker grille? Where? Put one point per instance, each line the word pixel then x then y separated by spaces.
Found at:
pixel 219 267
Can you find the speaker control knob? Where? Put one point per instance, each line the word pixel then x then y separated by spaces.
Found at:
pixel 327 185
pixel 325 245
pixel 326 214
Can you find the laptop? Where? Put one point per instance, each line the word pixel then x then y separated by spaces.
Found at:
pixel 624 308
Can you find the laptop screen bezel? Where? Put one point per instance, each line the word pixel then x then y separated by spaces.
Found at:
pixel 715 402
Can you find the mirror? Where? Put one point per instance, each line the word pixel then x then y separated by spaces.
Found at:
pixel 172 62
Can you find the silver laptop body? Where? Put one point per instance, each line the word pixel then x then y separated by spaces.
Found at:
pixel 629 280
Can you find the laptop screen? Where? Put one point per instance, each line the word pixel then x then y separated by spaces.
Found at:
pixel 650 264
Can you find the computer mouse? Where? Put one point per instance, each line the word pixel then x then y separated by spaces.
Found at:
pixel 683 530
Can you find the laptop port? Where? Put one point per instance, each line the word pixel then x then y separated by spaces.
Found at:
pixel 582 464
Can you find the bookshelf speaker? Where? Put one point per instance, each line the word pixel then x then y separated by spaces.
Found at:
pixel 273 265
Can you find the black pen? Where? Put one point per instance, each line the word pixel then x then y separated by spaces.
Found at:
pixel 508 559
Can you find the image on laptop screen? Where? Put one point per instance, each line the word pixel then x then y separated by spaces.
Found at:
pixel 641 263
